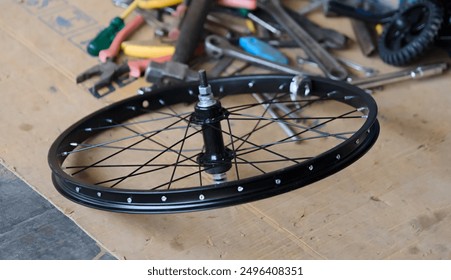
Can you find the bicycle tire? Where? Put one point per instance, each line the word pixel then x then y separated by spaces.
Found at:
pixel 411 33
pixel 336 149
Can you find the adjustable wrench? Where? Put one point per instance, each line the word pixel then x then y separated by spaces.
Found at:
pixel 219 47
pixel 327 63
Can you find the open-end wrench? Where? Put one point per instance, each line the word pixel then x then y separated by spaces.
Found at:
pixel 219 47
pixel 327 63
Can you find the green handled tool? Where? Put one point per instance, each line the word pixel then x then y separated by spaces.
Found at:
pixel 105 37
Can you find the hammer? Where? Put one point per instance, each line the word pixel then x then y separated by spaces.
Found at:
pixel 177 69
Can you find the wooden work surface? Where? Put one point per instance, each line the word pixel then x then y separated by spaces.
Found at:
pixel 394 203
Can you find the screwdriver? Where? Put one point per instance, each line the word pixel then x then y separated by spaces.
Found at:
pixel 104 38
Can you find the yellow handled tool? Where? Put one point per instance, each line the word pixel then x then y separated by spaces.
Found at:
pixel 157 4
pixel 146 51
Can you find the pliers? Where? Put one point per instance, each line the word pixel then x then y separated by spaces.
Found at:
pixel 108 70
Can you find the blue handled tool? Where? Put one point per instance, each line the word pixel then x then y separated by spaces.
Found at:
pixel 262 49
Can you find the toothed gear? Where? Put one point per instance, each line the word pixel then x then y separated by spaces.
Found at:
pixel 411 34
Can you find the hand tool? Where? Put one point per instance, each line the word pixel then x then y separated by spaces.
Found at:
pixel 105 37
pixel 262 49
pixel 364 37
pixel 115 46
pixel 367 71
pixel 244 4
pixel 228 21
pixel 138 67
pixel 313 49
pixel 222 64
pixel 264 24
pixel 190 32
pixel 418 72
pixel 326 37
pixel 146 51
pixel 122 3
pixel 312 6
pixel 219 47
pixel 109 71
pixel 213 28
pixel 284 126
pixel 157 4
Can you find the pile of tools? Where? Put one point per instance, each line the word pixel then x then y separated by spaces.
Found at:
pixel 213 34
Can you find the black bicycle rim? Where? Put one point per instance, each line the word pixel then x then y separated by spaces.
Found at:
pixel 203 197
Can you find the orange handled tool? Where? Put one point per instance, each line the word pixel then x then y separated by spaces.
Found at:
pixel 115 46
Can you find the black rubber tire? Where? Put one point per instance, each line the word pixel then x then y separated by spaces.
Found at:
pixel 411 33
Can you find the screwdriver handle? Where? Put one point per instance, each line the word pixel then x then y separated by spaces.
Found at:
pixel 115 45
pixel 262 49
pixel 104 38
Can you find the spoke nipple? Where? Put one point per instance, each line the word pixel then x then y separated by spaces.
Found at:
pixel 64 154
pixel 109 120
pixel 88 129
pixel 201 197
pixel 357 141
pixel 77 189
pixel 360 109
pixel 129 200
pixel 332 93
pixel 338 157
pixel 251 84
pixel 99 194
pixel 307 89
pixel 310 167
pixel 240 188
pixel 278 181
pixel 164 198
pixel 73 144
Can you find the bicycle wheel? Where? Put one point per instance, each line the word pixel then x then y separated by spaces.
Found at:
pixel 411 33
pixel 147 153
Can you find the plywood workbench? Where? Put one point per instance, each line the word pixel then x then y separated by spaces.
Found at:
pixel 394 203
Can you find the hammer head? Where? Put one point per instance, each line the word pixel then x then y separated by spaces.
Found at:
pixel 169 73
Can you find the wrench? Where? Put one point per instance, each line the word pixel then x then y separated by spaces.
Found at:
pixel 219 47
pixel 327 63
pixel 418 72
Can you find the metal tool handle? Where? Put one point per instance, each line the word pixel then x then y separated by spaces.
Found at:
pixel 190 30
pixel 408 74
pixel 217 47
pixel 328 64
